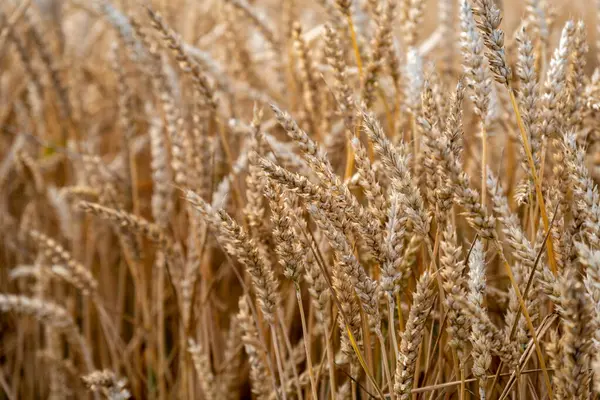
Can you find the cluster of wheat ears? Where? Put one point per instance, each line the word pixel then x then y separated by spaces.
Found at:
pixel 304 199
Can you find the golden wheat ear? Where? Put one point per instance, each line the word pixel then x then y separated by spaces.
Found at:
pixel 107 383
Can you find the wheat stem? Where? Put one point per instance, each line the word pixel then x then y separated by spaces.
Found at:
pixel 288 347
pixel 392 325
pixel 313 383
pixel 279 362
pixel 359 64
pixel 384 360
pixel 538 187
pixel 530 326
pixel 484 162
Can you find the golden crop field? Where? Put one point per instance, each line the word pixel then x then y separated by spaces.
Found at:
pixel 300 199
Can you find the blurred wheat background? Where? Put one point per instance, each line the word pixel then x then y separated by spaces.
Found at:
pixel 310 199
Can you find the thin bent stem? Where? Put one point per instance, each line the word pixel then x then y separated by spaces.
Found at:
pixel 536 181
pixel 525 293
pixel 484 154
pixel 386 366
pixel 400 316
pixel 366 334
pixel 462 383
pixel 361 359
pixel 288 347
pixel 388 115
pixel 313 384
pixel 359 63
pixel 160 331
pixel 185 394
pixel 350 155
pixel 330 361
pixel 426 389
pixel 229 156
pixel 351 337
pixel 279 361
pixel 538 349
pixel 414 136
pixel 350 151
pixel 493 385
pixel 392 327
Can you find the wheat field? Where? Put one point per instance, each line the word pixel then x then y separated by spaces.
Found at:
pixel 300 199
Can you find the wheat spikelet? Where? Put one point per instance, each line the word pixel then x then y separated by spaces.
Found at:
pixel 455 286
pixel 203 369
pixel 76 273
pixel 107 383
pixel 258 370
pixel 412 336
